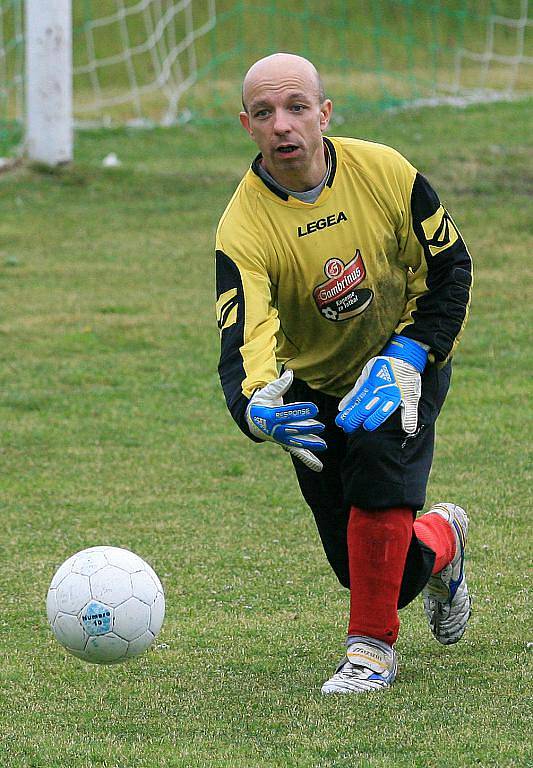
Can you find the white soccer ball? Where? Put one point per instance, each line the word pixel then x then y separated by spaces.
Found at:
pixel 105 605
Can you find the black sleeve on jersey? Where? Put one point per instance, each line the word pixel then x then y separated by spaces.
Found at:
pixel 440 313
pixel 230 366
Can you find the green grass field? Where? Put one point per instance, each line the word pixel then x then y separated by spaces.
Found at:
pixel 114 430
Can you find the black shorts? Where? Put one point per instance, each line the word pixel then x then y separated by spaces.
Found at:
pixel 372 470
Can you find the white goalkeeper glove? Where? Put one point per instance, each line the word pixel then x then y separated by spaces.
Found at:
pixel 387 381
pixel 292 425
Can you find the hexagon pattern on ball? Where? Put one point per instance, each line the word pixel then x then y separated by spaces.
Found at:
pixel 105 605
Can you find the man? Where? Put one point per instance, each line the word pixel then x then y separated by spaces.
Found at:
pixel 336 262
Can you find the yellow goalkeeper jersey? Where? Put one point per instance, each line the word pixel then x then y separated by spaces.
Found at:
pixel 320 287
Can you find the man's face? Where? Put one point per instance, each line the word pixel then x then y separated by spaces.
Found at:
pixel 286 119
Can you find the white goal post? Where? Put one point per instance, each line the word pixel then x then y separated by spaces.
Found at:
pixel 49 124
pixel 150 48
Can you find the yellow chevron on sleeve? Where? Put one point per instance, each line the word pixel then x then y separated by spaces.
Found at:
pixel 440 231
pixel 226 309
pixel 231 319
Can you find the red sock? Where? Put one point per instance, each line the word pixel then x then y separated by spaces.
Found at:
pixel 378 541
pixel 438 535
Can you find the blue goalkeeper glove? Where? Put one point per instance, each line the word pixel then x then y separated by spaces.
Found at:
pixel 387 381
pixel 292 426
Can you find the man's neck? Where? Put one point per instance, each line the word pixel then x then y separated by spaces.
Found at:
pixel 301 182
pixel 307 196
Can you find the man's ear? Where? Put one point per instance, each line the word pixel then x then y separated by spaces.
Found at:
pixel 326 108
pixel 245 122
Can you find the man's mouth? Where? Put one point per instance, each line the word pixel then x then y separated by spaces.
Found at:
pixel 286 149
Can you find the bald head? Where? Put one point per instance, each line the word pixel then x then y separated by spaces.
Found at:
pixel 272 69
pixel 285 114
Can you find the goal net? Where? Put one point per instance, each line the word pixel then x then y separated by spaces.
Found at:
pixel 165 62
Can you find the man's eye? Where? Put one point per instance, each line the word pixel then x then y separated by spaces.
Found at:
pixel 298 107
pixel 262 113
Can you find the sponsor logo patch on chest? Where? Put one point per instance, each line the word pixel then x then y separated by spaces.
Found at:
pixel 327 221
pixel 337 298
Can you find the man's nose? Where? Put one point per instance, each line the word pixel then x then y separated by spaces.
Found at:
pixel 281 121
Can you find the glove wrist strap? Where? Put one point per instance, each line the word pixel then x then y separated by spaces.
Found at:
pixel 403 348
